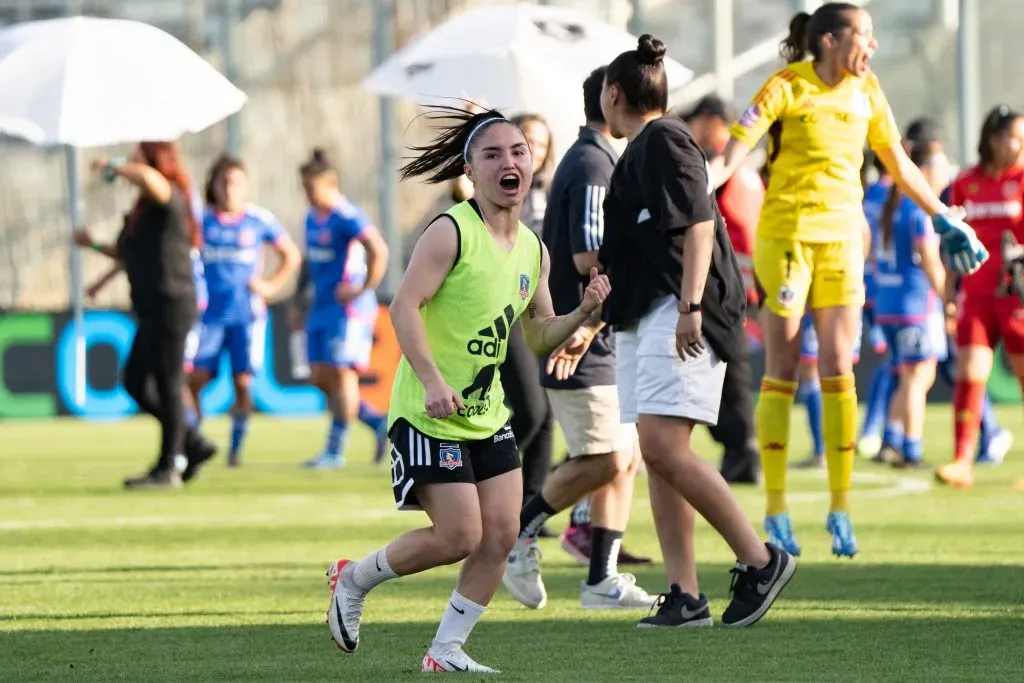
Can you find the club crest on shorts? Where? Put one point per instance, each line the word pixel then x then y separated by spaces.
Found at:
pixel 786 296
pixel 449 456
pixel 524 286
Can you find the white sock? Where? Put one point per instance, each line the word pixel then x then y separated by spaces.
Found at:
pixel 372 570
pixel 459 619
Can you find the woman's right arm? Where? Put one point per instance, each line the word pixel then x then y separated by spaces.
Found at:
pixel 723 167
pixel 431 261
pixel 84 239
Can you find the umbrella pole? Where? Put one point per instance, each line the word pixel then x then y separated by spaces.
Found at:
pixel 76 215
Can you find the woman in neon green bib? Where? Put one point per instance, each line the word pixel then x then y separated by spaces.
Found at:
pixel 474 271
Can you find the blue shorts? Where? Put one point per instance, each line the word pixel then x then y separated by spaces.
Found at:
pixel 916 342
pixel 809 342
pixel 345 342
pixel 243 343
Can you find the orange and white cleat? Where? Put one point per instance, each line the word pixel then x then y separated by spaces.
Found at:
pixel 959 474
pixel 345 610
pixel 453 660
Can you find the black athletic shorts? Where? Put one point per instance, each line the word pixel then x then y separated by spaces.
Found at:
pixel 420 459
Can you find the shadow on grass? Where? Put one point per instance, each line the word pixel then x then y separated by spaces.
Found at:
pixel 843 583
pixel 841 648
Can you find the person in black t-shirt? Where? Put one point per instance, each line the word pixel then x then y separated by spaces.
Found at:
pixel 532 420
pixel 581 385
pixel 154 248
pixel 677 305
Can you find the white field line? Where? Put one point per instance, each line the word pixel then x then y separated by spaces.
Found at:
pixel 897 486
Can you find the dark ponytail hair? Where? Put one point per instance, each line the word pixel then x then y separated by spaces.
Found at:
pixel 317 164
pixel 447 154
pixel 223 164
pixel 640 74
pixel 806 30
pixel 920 151
pixel 998 121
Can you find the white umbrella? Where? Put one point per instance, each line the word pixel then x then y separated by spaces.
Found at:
pixel 518 58
pixel 92 82
pixel 85 82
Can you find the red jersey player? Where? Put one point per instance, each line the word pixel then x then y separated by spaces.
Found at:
pixel 992 194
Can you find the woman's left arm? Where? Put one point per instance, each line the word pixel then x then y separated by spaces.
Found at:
pixel 542 329
pixel 152 183
pixel 910 179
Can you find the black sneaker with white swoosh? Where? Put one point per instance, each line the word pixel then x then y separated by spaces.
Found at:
pixel 755 590
pixel 677 609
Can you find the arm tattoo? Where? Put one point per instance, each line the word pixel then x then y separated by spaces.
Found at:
pixel 531 308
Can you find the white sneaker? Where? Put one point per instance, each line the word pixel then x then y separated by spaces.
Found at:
pixel 452 661
pixel 618 591
pixel 998 448
pixel 345 609
pixel 869 445
pixel 522 575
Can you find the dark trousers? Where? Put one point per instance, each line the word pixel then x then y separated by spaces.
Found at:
pixel 735 428
pixel 532 421
pixel 154 375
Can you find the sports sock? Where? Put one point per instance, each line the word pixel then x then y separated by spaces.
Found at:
pixel 968 399
pixel 458 621
pixel 604 555
pixel 989 425
pixel 840 396
pixel 371 418
pixel 581 513
pixel 893 435
pixel 191 418
pixel 878 400
pixel 239 427
pixel 809 393
pixel 372 570
pixel 336 437
pixel 773 408
pixel 913 449
pixel 532 518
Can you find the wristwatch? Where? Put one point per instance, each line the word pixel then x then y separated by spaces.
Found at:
pixel 689 307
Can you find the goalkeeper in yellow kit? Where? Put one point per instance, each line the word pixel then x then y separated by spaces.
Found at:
pixel 818 114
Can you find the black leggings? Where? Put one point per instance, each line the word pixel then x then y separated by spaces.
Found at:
pixel 532 421
pixel 154 375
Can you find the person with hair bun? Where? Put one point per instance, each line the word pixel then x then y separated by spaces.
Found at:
pixel 988 306
pixel 475 270
pixel 343 307
pixel 677 306
pixel 810 248
pixel 234 321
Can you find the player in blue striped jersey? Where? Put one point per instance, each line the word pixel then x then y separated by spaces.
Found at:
pixel 234 322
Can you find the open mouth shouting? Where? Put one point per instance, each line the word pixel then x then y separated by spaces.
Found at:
pixel 510 183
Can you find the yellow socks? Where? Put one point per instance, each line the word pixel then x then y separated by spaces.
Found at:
pixel 839 400
pixel 773 408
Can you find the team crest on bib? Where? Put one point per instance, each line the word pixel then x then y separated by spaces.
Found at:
pixel 450 456
pixel 524 286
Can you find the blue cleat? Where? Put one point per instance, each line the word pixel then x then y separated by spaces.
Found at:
pixel 780 532
pixel 844 543
pixel 326 461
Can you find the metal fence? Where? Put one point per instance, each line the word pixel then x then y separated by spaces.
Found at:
pixel 301 62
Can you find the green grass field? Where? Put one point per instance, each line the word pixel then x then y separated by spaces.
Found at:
pixel 225 580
